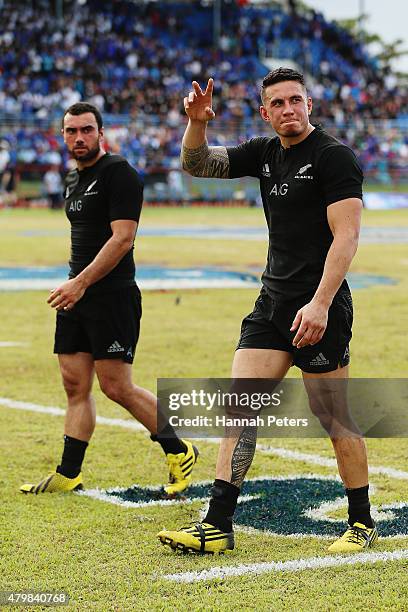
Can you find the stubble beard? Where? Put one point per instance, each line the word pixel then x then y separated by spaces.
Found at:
pixel 88 156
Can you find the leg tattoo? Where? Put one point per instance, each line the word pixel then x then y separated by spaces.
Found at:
pixel 242 455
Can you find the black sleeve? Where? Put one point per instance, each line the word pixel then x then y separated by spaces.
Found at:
pixel 340 174
pixel 245 159
pixel 125 192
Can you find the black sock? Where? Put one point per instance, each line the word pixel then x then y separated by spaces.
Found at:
pixel 222 506
pixel 359 506
pixel 168 440
pixel 72 457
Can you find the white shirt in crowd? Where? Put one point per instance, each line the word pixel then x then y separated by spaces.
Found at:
pixel 52 182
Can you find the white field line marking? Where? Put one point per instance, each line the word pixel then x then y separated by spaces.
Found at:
pixel 39 284
pixel 282 452
pixel 267 450
pixel 295 565
pixel 317 514
pixel 9 343
pixel 55 411
pixel 103 496
pixel 326 461
pixel 299 536
pixel 111 499
pixel 322 512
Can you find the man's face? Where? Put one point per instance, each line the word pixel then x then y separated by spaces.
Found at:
pixel 286 107
pixel 82 136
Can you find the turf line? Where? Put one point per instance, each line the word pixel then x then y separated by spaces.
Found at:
pixel 326 461
pixel 55 411
pixel 263 448
pixel 294 565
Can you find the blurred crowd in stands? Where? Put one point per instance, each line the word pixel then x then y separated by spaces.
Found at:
pixel 135 61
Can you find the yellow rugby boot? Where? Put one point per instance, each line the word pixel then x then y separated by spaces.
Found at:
pixel 180 468
pixel 54 482
pixel 355 539
pixel 199 538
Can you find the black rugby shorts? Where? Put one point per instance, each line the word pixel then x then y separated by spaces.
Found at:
pixel 268 327
pixel 107 325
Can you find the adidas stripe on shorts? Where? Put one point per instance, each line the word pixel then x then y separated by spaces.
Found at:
pixel 268 327
pixel 107 325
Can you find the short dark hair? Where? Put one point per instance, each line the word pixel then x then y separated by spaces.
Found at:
pixel 282 74
pixel 80 108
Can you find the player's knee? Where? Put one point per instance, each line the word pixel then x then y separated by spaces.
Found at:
pixel 75 387
pixel 113 389
pixel 318 409
pixel 321 412
pixel 334 417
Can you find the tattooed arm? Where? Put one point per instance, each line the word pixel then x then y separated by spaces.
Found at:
pixel 205 161
pixel 197 158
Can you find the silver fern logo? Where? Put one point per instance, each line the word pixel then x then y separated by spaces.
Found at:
pixel 301 172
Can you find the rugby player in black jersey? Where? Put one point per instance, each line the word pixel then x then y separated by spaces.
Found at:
pixel 99 307
pixel 311 187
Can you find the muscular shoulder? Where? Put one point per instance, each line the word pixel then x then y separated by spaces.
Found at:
pixel 339 170
pixel 255 146
pixel 120 172
pixel 330 150
pixel 248 158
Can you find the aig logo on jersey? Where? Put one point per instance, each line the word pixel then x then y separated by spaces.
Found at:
pixel 75 206
pixel 279 190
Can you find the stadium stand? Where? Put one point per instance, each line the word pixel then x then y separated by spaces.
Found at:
pixel 135 61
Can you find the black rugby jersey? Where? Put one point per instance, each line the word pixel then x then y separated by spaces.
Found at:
pixel 297 184
pixel 110 190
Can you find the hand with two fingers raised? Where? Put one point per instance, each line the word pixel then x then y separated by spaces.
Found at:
pixel 198 103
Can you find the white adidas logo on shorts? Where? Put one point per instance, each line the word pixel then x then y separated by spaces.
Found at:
pixel 320 359
pixel 115 348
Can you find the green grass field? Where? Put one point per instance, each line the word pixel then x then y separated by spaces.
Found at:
pixel 106 556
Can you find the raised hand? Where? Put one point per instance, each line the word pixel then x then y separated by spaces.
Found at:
pixel 198 104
